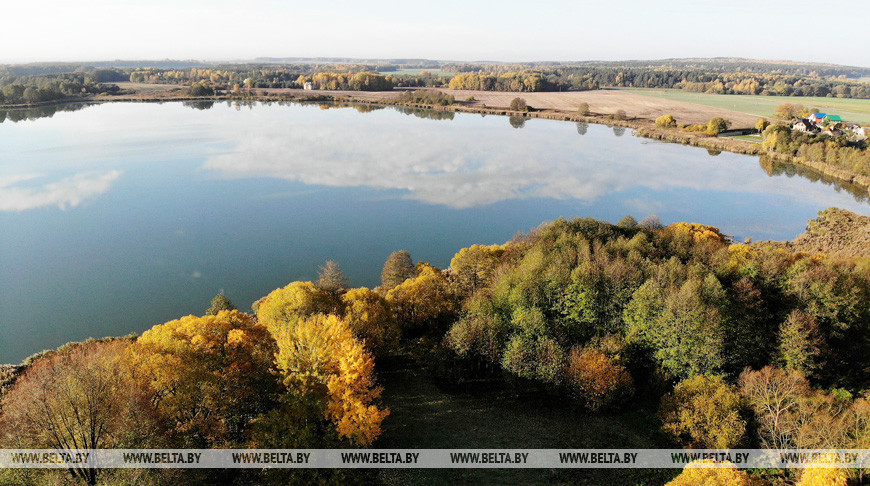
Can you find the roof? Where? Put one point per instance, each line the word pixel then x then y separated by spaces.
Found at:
pixel 834 118
pixel 819 115
pixel 803 121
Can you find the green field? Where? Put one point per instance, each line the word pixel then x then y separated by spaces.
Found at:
pixel 748 138
pixel 424 415
pixel 850 109
pixel 414 72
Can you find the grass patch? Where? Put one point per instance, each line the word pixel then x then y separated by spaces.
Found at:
pixel 748 138
pixel 426 416
pixel 850 109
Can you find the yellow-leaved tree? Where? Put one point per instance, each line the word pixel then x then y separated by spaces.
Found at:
pixel 698 232
pixel 208 376
pixel 473 267
pixel 370 318
pixel 424 300
pixel 319 355
pixel 725 474
pixel 822 476
pixel 298 299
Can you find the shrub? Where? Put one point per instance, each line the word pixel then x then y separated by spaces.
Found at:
pixel 583 109
pixel 666 121
pixel 519 104
pixel 201 89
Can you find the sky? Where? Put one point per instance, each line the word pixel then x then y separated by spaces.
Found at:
pixel 509 31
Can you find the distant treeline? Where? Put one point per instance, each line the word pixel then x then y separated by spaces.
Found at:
pixel 501 78
pixel 16 90
pixel 719 76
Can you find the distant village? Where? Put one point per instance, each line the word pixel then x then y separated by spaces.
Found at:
pixel 831 125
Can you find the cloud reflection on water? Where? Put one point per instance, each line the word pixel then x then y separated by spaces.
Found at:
pixel 16 194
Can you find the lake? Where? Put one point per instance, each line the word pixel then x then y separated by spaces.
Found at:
pixel 119 216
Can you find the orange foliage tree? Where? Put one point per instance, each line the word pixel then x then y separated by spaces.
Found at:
pixel 81 397
pixel 596 379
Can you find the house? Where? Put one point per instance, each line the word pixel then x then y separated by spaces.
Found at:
pixel 859 132
pixel 832 132
pixel 308 86
pixel 817 117
pixel 832 119
pixel 804 125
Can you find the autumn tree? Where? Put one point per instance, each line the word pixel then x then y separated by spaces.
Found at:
pixel 423 302
pixel 775 396
pixel 666 121
pixel 208 376
pixel 822 476
pixel 473 267
pixel 519 104
pixel 716 125
pixel 398 268
pixel 652 222
pixel 724 474
pixel 220 302
pixel 761 124
pixel 319 356
pixel 583 109
pixel 331 278
pixel 627 222
pixel 788 111
pixel 369 316
pixel 703 412
pixel 596 379
pixel 282 307
pixel 79 398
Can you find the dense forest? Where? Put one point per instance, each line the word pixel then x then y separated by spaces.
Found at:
pixel 735 345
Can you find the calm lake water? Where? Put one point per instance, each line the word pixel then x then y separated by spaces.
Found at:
pixel 117 217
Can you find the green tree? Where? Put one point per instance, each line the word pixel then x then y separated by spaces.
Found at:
pixel 800 343
pixel 627 222
pixel 220 302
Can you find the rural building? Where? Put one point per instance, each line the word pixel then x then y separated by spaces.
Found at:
pixel 832 132
pixel 832 119
pixel 308 86
pixel 804 125
pixel 817 117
